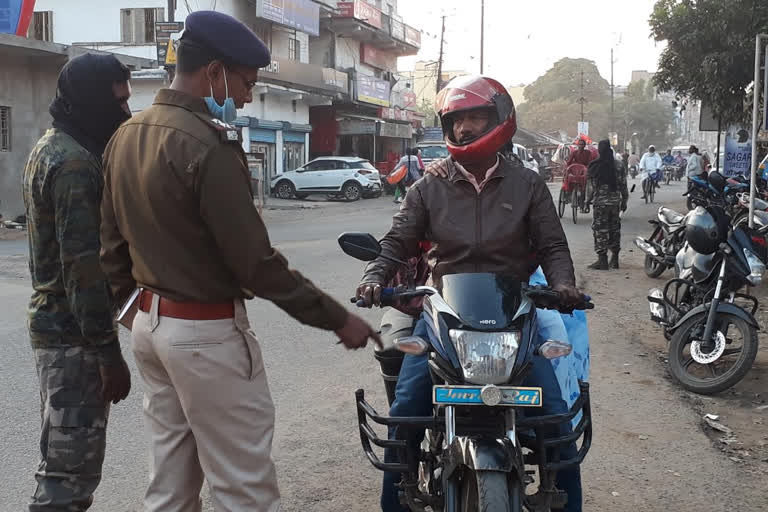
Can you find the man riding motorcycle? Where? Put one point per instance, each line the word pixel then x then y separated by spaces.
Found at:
pixel 487 215
pixel 650 164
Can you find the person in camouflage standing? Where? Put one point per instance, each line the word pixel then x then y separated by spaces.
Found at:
pixel 609 194
pixel 71 315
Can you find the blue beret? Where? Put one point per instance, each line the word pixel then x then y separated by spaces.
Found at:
pixel 226 37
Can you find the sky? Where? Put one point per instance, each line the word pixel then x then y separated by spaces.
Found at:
pixel 524 38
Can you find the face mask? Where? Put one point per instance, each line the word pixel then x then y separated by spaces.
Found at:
pixel 226 112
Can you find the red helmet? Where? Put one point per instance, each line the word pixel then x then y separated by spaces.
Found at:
pixel 470 93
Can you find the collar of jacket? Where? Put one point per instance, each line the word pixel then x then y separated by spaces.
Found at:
pixel 454 175
pixel 180 99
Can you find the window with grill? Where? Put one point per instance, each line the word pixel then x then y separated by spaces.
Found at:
pixel 294 49
pixel 41 27
pixel 137 26
pixel 5 129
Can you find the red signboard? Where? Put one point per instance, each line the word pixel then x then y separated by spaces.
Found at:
pixel 359 10
pixel 412 36
pixel 379 59
pixel 398 114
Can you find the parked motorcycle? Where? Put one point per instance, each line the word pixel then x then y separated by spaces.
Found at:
pixel 713 341
pixel 472 458
pixel 664 243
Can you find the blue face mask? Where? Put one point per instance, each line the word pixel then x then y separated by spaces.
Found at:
pixel 226 112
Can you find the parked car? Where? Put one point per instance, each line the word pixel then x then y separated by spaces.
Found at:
pixel 432 150
pixel 345 177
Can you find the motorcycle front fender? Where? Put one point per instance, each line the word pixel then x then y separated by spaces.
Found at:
pixel 482 455
pixel 723 307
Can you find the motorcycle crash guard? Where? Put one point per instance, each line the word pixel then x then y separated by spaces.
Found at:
pixel 723 307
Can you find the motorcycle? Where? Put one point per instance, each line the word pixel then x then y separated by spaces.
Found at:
pixel 472 458
pixel 664 243
pixel 669 173
pixel 701 317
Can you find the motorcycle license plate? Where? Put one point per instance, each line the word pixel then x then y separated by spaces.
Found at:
pixel 511 396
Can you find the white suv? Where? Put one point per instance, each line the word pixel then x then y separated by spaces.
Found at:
pixel 347 177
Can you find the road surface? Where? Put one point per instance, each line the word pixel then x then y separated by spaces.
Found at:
pixel 649 453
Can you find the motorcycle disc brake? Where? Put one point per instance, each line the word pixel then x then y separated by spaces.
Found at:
pixel 708 357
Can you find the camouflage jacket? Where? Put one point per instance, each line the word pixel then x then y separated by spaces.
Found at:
pixel 602 195
pixel 71 303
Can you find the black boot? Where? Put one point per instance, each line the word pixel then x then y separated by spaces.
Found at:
pixel 601 263
pixel 614 263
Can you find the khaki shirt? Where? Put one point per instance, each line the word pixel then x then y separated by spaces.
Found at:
pixel 178 216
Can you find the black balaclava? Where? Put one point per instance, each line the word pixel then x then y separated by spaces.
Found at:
pixel 605 165
pixel 85 106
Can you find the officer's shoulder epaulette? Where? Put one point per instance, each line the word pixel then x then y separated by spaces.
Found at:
pixel 227 132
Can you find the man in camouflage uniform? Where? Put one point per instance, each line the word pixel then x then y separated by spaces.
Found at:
pixel 71 316
pixel 608 192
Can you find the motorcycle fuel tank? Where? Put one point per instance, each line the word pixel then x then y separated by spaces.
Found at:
pixel 703 266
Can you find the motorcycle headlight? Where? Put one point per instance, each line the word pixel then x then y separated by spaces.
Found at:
pixel 756 268
pixel 486 357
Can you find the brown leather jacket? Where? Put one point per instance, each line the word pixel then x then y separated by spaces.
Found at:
pixel 508 228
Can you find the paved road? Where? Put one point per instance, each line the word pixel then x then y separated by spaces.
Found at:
pixel 649 453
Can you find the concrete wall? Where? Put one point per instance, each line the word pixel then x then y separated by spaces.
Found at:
pixel 77 21
pixel 280 37
pixel 276 108
pixel 27 85
pixel 143 93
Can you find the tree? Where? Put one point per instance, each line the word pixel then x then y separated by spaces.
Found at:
pixel 563 81
pixel 428 109
pixel 710 51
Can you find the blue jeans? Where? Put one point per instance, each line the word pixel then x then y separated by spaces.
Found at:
pixel 413 397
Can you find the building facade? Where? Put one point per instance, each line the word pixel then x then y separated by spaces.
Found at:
pixel 27 86
pixel 333 67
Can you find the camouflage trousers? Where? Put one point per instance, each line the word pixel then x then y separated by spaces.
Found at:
pixel 74 427
pixel 606 225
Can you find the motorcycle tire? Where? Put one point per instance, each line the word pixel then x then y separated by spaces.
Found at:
pixel 487 491
pixel 669 178
pixel 689 203
pixel 681 338
pixel 653 268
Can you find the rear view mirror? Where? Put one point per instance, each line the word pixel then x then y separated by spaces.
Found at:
pixel 361 246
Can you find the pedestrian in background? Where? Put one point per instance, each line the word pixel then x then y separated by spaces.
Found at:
pixel 179 223
pixel 609 194
pixel 71 324
pixel 411 163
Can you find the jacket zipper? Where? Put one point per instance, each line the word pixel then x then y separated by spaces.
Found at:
pixel 478 226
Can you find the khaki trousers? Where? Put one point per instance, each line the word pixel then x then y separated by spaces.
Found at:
pixel 208 412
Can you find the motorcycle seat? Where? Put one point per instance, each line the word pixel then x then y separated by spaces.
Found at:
pixel 670 216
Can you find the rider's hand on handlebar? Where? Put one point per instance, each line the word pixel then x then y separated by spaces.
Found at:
pixel 569 295
pixel 370 294
pixel 356 332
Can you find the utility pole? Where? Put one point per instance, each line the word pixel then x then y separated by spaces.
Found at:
pixel 482 33
pixel 582 100
pixel 613 128
pixel 171 10
pixel 439 81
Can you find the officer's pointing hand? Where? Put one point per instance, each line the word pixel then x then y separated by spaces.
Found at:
pixel 356 332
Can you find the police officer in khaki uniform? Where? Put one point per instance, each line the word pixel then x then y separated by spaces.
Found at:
pixel 178 222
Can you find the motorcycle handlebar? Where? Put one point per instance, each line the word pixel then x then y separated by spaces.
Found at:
pixel 543 297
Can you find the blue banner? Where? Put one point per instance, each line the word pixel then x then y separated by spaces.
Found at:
pixel 738 151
